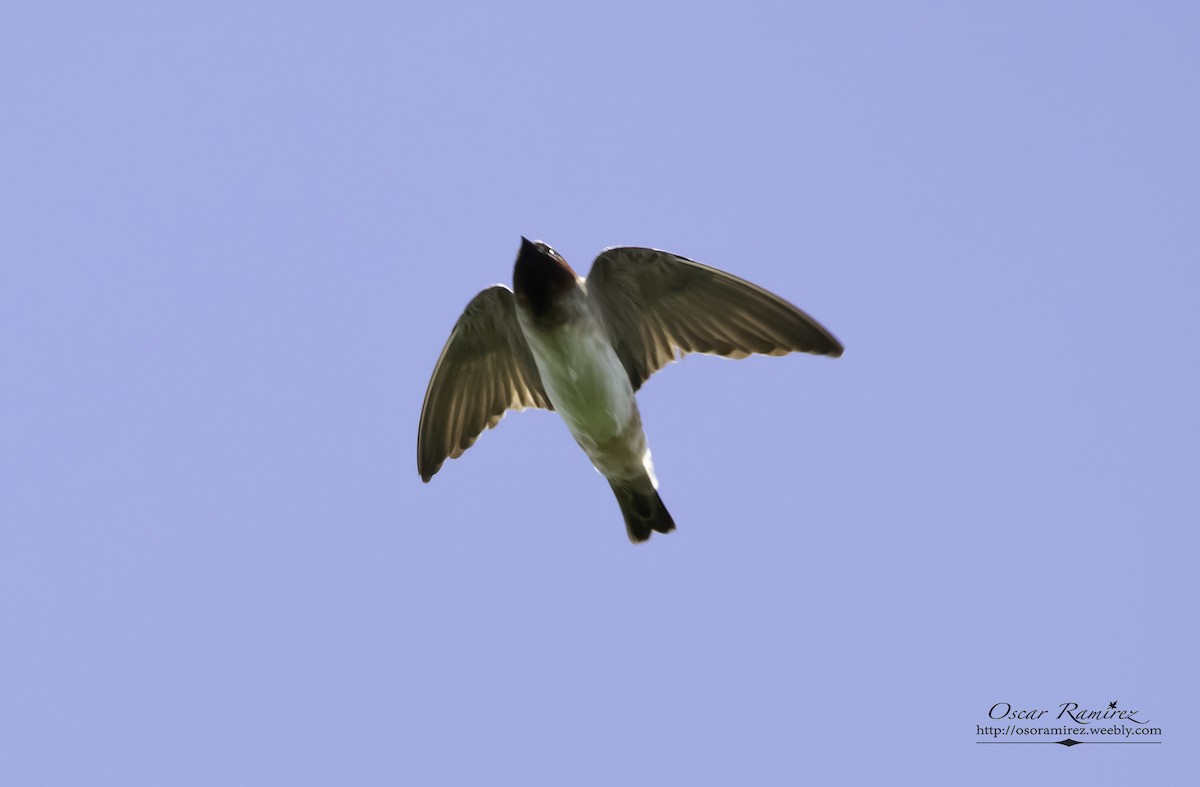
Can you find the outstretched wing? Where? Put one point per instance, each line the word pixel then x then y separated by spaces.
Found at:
pixel 484 369
pixel 659 306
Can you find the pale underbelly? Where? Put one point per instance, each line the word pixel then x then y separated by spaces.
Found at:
pixel 590 390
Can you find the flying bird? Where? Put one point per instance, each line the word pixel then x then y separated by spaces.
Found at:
pixel 583 347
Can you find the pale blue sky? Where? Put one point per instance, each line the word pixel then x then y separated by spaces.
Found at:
pixel 236 235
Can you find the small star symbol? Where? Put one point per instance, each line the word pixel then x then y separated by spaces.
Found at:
pixel 1113 704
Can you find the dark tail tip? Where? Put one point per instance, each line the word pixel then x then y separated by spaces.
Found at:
pixel 644 512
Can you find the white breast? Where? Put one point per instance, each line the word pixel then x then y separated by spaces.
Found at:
pixel 584 379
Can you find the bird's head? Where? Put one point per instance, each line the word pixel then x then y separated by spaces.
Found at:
pixel 541 278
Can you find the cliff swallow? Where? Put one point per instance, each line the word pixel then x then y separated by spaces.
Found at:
pixel 582 347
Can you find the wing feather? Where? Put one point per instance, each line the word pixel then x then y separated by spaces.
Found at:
pixel 484 370
pixel 659 306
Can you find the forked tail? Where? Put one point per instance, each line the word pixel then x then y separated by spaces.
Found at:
pixel 643 510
